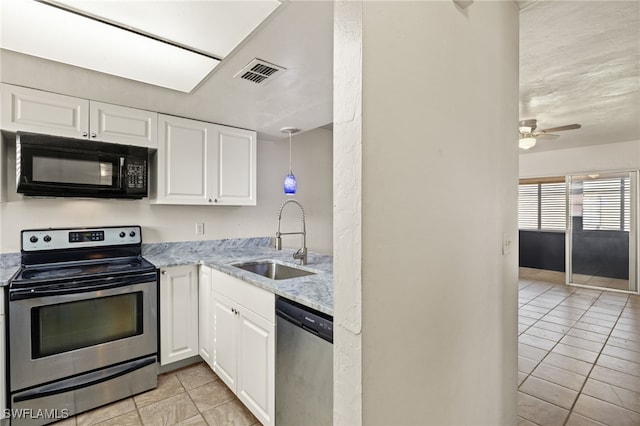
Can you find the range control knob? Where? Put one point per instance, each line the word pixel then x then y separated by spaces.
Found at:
pixel 122 234
pixel 132 234
pixel 33 239
pixel 47 238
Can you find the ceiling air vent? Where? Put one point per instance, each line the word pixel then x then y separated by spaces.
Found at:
pixel 259 71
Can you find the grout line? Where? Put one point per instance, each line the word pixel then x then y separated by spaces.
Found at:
pixel 602 292
pixel 595 362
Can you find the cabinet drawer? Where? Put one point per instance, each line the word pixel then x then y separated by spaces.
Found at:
pixel 260 301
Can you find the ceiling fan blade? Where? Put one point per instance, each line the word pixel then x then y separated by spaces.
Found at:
pixel 561 128
pixel 546 136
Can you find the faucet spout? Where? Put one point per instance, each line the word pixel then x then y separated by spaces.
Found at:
pixel 301 254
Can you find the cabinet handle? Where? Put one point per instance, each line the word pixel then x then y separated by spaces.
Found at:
pixel 85 134
pixel 209 199
pixel 164 272
pixel 215 200
pixel 93 135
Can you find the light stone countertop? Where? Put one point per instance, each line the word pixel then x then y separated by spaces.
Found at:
pixel 314 291
pixel 9 264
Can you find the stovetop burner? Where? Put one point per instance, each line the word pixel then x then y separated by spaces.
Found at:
pixel 55 256
pixel 53 272
pixel 60 271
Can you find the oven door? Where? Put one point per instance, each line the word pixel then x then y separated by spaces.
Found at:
pixel 61 332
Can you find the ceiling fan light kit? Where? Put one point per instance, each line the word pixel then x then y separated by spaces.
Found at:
pixel 526 143
pixel 528 135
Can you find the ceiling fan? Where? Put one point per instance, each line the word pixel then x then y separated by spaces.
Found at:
pixel 528 133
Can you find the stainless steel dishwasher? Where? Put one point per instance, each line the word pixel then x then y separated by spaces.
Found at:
pixel 304 365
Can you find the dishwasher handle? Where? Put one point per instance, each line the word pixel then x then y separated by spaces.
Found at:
pixel 306 318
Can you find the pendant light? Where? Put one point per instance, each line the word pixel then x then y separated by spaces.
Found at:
pixel 290 184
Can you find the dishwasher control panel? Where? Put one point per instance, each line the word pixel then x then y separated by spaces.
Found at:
pixel 309 319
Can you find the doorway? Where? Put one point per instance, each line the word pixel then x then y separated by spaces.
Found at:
pixel 601 241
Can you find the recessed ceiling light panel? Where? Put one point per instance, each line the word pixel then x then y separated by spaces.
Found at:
pixel 48 32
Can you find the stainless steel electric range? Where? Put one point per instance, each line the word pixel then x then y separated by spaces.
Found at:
pixel 83 321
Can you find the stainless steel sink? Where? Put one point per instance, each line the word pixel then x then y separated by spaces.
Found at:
pixel 273 270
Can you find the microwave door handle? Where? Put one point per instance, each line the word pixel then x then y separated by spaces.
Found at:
pixel 121 174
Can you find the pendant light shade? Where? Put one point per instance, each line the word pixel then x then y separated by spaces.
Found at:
pixel 290 183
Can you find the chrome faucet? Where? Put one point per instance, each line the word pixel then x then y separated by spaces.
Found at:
pixel 301 254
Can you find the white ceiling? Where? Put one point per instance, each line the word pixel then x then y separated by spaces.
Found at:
pixel 580 63
pixel 297 36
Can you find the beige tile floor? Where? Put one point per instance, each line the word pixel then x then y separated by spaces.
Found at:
pixel 578 355
pixel 578 365
pixel 190 396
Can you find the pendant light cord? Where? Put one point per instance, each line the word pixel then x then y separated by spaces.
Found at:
pixel 289 152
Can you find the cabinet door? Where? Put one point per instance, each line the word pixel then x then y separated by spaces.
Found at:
pixel 3 395
pixel 225 332
pixel 205 330
pixel 236 173
pixel 256 365
pixel 118 124
pixel 184 153
pixel 178 313
pixel 31 110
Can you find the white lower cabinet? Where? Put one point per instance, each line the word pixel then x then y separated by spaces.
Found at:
pixel 3 381
pixel 178 313
pixel 244 342
pixel 205 329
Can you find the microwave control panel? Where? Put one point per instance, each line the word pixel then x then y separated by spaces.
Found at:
pixel 137 175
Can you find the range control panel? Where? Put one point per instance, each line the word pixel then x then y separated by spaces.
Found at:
pixel 56 238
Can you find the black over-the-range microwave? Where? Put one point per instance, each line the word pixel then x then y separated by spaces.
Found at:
pixel 64 167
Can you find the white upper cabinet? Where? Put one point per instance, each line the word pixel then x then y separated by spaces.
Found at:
pixel 204 164
pixel 185 151
pixel 31 110
pixel 236 166
pixel 118 124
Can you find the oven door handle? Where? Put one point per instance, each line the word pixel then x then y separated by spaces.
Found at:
pixel 101 284
pixel 84 380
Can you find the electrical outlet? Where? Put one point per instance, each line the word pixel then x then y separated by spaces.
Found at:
pixel 199 228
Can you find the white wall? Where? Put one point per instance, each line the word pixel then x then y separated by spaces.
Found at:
pixel 438 192
pixel 312 165
pixel 596 158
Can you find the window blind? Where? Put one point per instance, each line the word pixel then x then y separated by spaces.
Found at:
pixel 553 206
pixel 542 206
pixel 606 204
pixel 528 206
